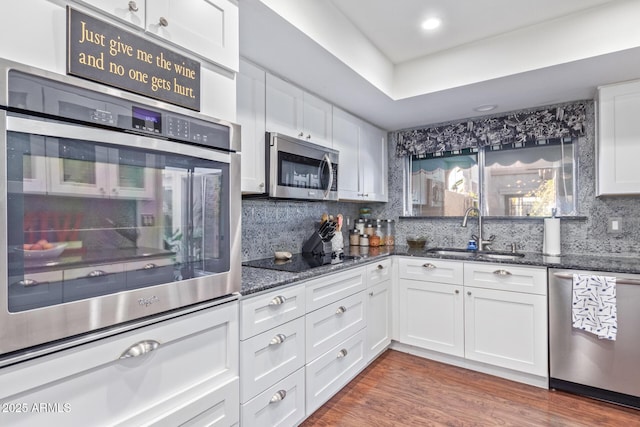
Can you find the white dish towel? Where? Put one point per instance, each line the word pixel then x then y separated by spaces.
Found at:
pixel 594 305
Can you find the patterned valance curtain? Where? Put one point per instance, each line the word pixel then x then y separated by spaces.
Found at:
pixel 567 120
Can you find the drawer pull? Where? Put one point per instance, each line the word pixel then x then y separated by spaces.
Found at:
pixel 502 273
pixel 380 267
pixel 279 300
pixel 280 395
pixel 371 293
pixel 133 7
pixel 138 349
pixel 278 339
pixel 457 291
pixel 429 266
pixel 97 273
pixel 341 310
pixel 342 353
pixel 149 266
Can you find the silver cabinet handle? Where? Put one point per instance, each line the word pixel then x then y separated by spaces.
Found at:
pixel 341 310
pixel 300 135
pixel 502 273
pixel 280 395
pixel 380 267
pixel 342 353
pixel 149 266
pixel 261 185
pixel 278 339
pixel 163 22
pixel 457 291
pixel 429 266
pixel 371 293
pixel 309 136
pixel 138 349
pixel 469 293
pixel 97 273
pixel 133 7
pixel 279 300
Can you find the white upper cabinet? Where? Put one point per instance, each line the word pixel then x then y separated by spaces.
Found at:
pixel 207 28
pixel 618 139
pixel 294 112
pixel 251 118
pixel 362 168
pixel 131 12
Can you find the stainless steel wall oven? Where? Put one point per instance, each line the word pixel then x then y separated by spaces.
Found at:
pixel 114 207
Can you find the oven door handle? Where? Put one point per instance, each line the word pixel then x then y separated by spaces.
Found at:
pixel 327 160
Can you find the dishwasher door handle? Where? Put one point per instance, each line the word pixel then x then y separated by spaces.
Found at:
pixel 619 280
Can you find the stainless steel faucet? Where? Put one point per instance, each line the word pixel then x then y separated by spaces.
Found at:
pixel 482 244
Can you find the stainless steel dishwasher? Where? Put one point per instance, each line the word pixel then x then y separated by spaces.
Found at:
pixel 582 363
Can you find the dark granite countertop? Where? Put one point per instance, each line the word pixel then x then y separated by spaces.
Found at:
pixel 255 280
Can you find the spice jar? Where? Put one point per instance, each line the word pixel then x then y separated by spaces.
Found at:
pixel 374 240
pixel 360 225
pixel 354 237
pixel 368 229
pixel 380 232
pixel 390 232
pixel 364 240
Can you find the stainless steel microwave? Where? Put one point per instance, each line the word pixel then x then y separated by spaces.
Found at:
pixel 298 169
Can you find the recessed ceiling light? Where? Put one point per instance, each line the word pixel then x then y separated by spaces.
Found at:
pixel 485 108
pixel 431 23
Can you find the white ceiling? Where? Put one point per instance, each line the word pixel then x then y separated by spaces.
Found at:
pixel 370 57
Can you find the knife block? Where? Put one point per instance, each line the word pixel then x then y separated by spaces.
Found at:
pixel 316 246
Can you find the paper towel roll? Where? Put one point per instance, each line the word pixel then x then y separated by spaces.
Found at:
pixel 551 240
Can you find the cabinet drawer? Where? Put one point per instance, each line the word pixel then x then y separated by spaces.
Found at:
pixel 270 356
pixel 263 312
pixel 333 323
pixel 326 290
pixel 506 277
pixel 46 290
pixel 329 373
pixel 196 354
pixel 431 270
pixel 378 272
pixel 281 405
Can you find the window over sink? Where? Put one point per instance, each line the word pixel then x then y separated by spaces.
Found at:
pixel 524 179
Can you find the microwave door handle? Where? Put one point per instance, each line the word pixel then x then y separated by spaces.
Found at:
pixel 327 160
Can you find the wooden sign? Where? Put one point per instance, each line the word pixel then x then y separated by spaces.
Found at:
pixel 107 54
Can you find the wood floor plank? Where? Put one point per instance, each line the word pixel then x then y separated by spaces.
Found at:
pixel 400 389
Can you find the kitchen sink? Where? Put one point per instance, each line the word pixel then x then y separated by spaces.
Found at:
pixel 464 253
pixel 452 252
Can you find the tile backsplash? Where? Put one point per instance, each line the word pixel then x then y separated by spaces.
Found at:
pixel 270 225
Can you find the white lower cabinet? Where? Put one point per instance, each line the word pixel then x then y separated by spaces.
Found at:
pixel 431 316
pixel 187 376
pixel 378 308
pixel 327 374
pixel 495 314
pixel 280 405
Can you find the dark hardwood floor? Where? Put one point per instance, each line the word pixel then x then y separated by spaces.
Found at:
pixel 400 389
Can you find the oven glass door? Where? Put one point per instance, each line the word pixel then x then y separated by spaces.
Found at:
pixel 86 218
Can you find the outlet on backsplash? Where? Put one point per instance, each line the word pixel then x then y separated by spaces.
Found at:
pixel 614 225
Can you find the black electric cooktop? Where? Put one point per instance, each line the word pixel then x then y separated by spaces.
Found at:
pixel 297 263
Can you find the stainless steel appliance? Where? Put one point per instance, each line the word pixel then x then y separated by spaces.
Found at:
pixel 117 208
pixel 582 363
pixel 298 169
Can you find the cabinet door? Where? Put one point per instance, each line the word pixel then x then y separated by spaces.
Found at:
pixel 250 85
pixel 208 28
pixel 318 119
pixel 284 107
pixel 77 168
pixel 378 318
pixel 618 142
pixel 26 164
pixel 172 372
pixel 431 316
pixel 373 163
pixel 506 329
pixel 280 405
pixel 346 134
pixel 131 12
pixel 271 356
pixel 131 174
